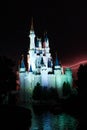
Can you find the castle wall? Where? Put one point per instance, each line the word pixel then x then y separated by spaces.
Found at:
pixel 37 79
pixel 28 81
pixel 51 80
pixel 22 87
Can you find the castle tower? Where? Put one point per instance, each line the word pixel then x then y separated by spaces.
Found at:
pixel 68 73
pixel 32 47
pixel 46 40
pixel 57 67
pixel 32 36
pixel 46 45
pixel 31 80
pixel 58 77
pixel 22 71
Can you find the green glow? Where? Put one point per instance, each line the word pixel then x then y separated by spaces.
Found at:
pixel 48 121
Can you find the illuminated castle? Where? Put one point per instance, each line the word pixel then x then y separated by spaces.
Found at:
pixel 40 68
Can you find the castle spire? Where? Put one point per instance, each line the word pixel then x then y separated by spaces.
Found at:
pixel 22 62
pixel 32 26
pixel 30 69
pixel 56 62
pixel 46 40
pixel 32 36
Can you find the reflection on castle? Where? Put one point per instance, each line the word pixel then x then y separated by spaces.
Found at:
pixel 40 68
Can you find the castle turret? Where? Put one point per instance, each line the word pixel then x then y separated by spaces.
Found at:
pixel 46 45
pixel 22 65
pixel 50 65
pixel 39 42
pixel 57 67
pixel 46 40
pixel 68 73
pixel 30 69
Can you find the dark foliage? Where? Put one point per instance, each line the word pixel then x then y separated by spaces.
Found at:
pixel 7 76
pixel 66 89
pixel 53 94
pixel 45 93
pixel 15 118
pixel 37 92
pixel 82 79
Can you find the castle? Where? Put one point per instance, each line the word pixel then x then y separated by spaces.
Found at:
pixel 40 68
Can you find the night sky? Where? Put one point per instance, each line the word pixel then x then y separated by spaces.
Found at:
pixel 65 23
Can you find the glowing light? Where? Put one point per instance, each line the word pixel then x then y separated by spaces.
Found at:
pixel 76 65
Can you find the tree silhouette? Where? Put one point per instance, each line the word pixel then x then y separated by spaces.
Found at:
pixel 45 94
pixel 53 94
pixel 7 75
pixel 82 79
pixel 66 89
pixel 37 92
